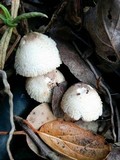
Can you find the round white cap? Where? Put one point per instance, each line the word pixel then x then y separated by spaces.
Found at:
pixel 82 101
pixel 37 54
pixel 40 88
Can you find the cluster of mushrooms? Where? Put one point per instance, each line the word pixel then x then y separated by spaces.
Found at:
pixel 37 58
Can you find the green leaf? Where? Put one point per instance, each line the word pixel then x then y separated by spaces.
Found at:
pixel 5 10
pixel 29 15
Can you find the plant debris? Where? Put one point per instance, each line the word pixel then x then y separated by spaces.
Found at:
pixel 75 64
pixel 58 92
pixel 73 142
pixel 86 35
pixel 104 30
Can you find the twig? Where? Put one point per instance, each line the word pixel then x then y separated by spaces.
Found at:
pixel 54 16
pixel 15 133
pixel 110 99
pixel 105 88
pixel 7 90
pixel 13 46
pixel 4 42
pixel 24 23
pixel 118 122
pixel 46 151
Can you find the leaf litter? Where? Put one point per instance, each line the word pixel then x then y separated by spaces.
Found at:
pixel 102 23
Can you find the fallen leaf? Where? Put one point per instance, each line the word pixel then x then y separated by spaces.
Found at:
pixel 73 141
pixel 103 24
pixel 58 92
pixel 37 117
pixel 75 64
pixel 40 115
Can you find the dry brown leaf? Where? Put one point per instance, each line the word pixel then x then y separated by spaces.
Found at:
pixel 37 117
pixel 73 141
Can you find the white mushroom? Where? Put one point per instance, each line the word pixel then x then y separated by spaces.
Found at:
pixel 36 55
pixel 82 101
pixel 40 88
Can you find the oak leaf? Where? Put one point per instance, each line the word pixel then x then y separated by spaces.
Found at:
pixel 73 141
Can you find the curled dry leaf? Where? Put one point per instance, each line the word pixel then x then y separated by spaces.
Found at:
pixel 73 141
pixel 75 64
pixel 37 117
pixel 103 24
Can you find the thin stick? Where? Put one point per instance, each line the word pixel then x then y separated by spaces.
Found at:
pixel 7 90
pixel 4 42
pixel 46 151
pixel 110 100
pixel 54 16
pixel 105 88
pixel 14 45
pixel 118 122
pixel 15 133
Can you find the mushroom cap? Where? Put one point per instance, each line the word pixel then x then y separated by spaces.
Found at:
pixel 82 101
pixel 37 54
pixel 40 88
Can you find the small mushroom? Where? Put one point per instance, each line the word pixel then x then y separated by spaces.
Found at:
pixel 40 88
pixel 37 54
pixel 82 101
